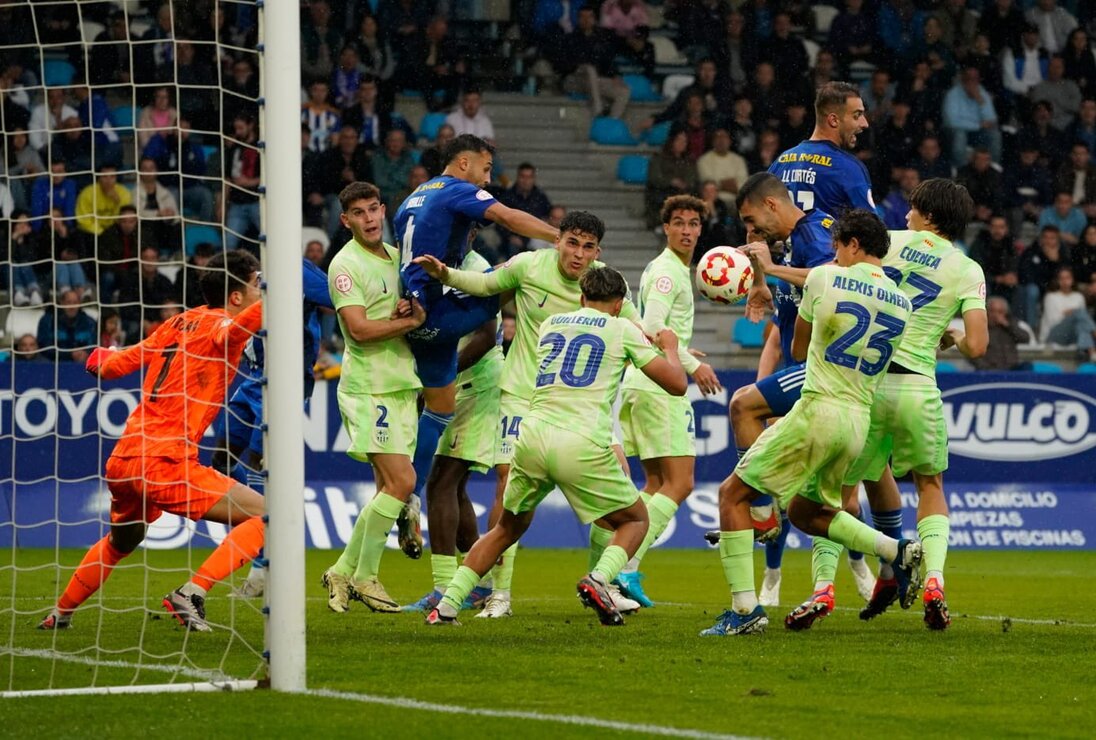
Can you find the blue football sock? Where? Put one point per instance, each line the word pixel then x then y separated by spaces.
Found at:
pixel 431 427
pixel 888 522
pixel 774 551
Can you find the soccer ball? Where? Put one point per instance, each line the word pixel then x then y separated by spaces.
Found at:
pixel 724 275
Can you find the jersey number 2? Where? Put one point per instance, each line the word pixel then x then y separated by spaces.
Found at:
pixel 929 290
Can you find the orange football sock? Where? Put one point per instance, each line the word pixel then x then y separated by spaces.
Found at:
pixel 240 546
pixel 90 574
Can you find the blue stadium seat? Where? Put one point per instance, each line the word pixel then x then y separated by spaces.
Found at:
pixel 123 116
pixel 58 72
pixel 416 155
pixel 1045 367
pixel 431 122
pixel 748 334
pixel 632 169
pixel 209 151
pixel 611 132
pixel 1087 368
pixel 656 135
pixel 642 89
pixel 196 234
pixel 943 366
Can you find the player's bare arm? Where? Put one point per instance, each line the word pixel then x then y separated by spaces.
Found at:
pixel 482 341
pixel 522 223
pixel 771 354
pixel 762 260
pixel 759 301
pixel 973 339
pixel 667 371
pixel 362 329
pixel 802 339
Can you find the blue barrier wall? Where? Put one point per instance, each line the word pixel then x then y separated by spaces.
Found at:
pixel 1023 464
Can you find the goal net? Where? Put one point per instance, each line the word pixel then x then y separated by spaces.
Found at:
pixel 133 154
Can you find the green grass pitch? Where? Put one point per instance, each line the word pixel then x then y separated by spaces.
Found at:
pixel 1033 673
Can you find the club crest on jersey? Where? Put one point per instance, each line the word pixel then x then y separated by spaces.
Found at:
pixel 664 284
pixel 343 283
pixel 982 291
pixel 381 435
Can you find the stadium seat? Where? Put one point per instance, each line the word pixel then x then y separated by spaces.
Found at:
pixel 943 366
pixel 642 89
pixel 1087 368
pixel 632 169
pixel 89 30
pixel 656 135
pixel 58 72
pixel 611 132
pixel 139 27
pixel 673 84
pixel 812 48
pixel 430 124
pixel 170 270
pixel 1045 367
pixel 313 234
pixel 196 234
pixel 823 17
pixel 666 51
pixel 22 321
pixel 748 334
pixel 209 151
pixel 123 116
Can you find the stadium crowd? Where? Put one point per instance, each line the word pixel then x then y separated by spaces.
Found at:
pixel 115 149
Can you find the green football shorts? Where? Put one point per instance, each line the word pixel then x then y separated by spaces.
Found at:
pixel 473 435
pixel 590 477
pixel 819 437
pixel 907 427
pixel 657 425
pixel 387 423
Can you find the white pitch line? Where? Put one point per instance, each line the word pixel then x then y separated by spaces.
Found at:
pixel 1000 617
pixel 212 676
pixel 565 719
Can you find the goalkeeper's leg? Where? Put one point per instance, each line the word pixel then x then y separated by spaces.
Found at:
pixel 94 570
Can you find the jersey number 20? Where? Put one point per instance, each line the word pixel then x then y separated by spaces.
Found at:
pixel 567 372
pixel 880 340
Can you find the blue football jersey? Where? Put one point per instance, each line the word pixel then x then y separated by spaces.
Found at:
pixel 316 295
pixel 810 245
pixel 821 175
pixel 437 219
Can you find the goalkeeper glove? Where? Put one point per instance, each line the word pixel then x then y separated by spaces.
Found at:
pixel 96 359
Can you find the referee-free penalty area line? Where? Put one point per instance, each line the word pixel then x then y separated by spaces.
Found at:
pixel 565 719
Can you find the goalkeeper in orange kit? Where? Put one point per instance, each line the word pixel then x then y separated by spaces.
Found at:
pixel 190 362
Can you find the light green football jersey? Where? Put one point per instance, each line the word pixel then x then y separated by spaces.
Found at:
pixel 940 282
pixel 857 315
pixel 665 301
pixel 486 372
pixel 358 277
pixel 581 357
pixel 540 291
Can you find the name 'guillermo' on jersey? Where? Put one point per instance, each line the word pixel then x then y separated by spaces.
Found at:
pixel 1018 422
